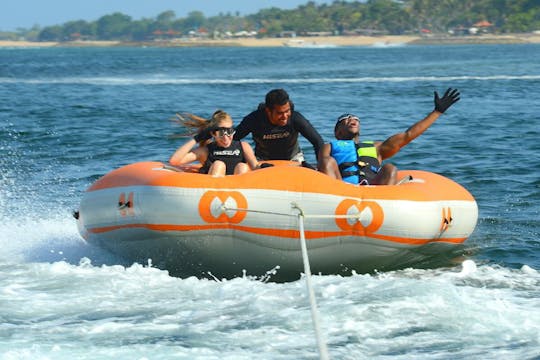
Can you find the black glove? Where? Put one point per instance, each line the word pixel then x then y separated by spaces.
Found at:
pixel 450 97
pixel 203 135
pixel 265 165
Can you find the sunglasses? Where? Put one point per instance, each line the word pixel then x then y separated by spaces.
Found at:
pixel 225 131
pixel 347 116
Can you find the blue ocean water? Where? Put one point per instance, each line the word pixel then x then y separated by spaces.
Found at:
pixel 69 115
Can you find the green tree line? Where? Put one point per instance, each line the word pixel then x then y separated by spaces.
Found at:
pixel 372 16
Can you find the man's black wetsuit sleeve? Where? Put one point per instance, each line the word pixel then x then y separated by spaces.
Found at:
pixel 307 130
pixel 243 129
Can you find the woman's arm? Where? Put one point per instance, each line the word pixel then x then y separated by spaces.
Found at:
pixel 185 155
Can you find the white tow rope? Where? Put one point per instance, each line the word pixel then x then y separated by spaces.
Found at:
pixel 323 350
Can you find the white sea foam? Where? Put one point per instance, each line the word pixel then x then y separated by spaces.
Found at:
pixel 468 267
pixel 50 237
pixel 153 80
pixel 74 305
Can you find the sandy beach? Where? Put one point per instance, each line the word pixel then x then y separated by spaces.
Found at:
pixel 323 41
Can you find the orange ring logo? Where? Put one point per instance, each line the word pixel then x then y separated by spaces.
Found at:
pixel 210 207
pixel 350 207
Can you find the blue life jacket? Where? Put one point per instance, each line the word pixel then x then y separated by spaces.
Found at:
pixel 358 163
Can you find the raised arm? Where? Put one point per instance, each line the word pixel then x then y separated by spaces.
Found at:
pixel 394 143
pixel 185 155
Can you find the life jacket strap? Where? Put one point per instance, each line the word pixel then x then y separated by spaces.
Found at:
pixel 360 165
pixel 351 173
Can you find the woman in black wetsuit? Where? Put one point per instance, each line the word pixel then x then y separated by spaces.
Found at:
pixel 218 153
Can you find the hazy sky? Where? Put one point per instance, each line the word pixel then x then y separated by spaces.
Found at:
pixel 26 13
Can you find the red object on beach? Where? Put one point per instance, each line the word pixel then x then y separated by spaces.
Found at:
pixel 483 23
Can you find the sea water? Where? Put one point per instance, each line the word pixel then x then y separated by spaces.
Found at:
pixel 70 115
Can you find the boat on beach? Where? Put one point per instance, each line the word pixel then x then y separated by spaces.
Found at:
pixel 194 224
pixel 301 43
pixel 387 44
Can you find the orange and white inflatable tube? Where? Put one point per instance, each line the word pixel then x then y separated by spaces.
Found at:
pixel 195 224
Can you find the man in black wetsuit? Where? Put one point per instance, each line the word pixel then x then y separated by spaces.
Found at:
pixel 275 127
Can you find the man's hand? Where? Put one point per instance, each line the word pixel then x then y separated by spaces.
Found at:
pixel 450 97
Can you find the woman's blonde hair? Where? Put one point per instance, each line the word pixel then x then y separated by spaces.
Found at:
pixel 200 124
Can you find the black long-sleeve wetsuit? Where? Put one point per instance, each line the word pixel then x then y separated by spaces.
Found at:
pixel 274 142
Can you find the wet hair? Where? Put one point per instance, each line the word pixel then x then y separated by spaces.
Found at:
pixel 219 116
pixel 199 123
pixel 276 97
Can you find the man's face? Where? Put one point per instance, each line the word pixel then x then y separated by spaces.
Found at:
pixel 348 128
pixel 279 115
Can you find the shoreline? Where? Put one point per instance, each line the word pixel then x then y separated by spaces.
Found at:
pixel 322 41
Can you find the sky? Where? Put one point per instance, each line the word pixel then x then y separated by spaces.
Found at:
pixel 27 13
